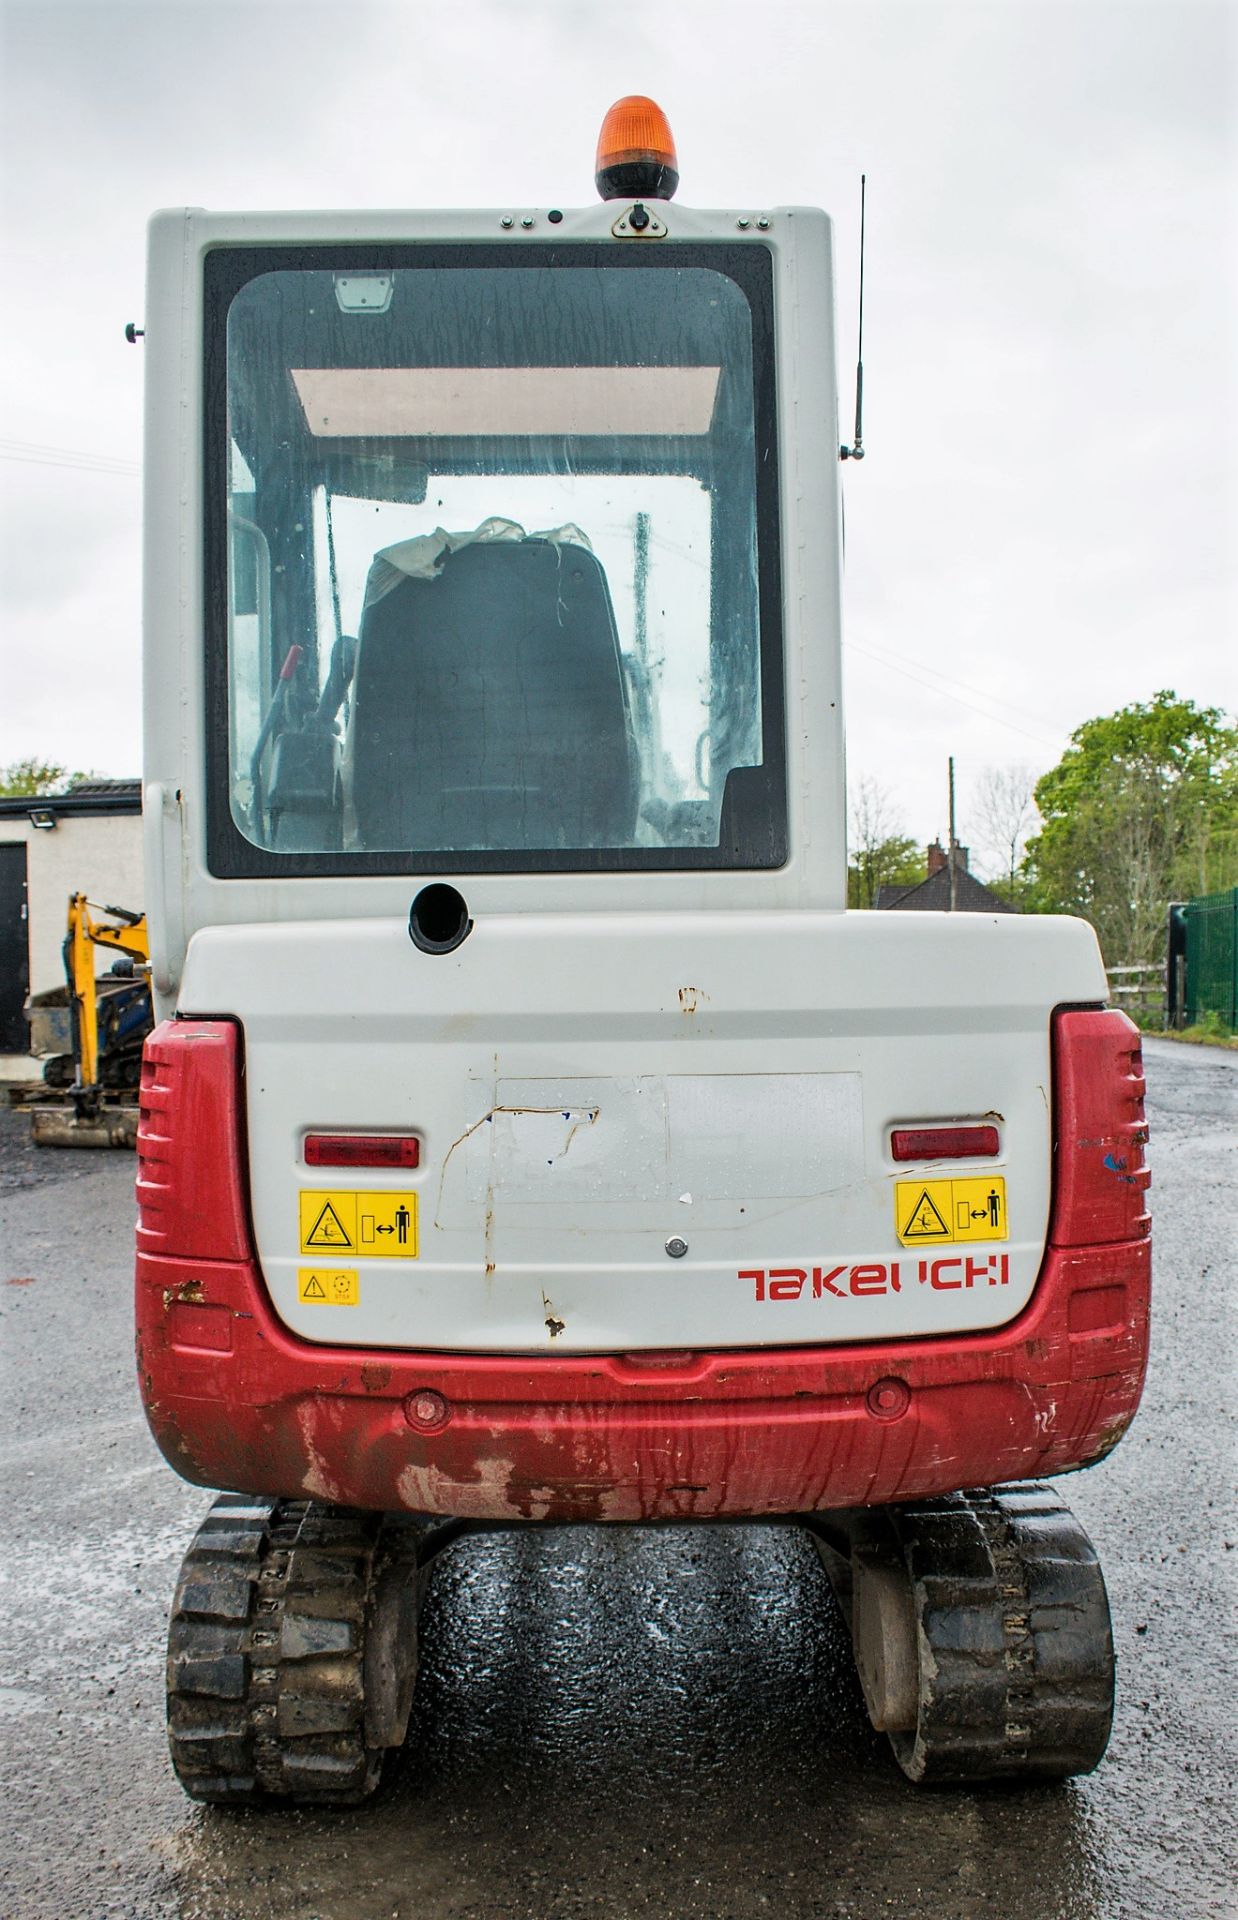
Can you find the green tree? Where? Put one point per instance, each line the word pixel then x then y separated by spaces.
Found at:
pixel 1141 809
pixel 22 777
pixel 880 855
pixel 896 862
pixel 30 776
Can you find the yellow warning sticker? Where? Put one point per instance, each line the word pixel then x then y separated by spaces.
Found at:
pixel 382 1226
pixel 928 1212
pixel 329 1286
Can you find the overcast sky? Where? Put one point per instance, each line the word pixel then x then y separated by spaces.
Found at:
pixel 1045 526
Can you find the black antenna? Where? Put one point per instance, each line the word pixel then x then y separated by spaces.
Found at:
pixel 856 451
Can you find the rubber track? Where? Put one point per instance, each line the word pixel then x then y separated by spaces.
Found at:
pixel 1015 1641
pixel 266 1694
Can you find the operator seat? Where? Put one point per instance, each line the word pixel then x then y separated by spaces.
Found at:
pixel 490 708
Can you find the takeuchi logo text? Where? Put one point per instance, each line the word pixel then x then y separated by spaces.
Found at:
pixel 878 1276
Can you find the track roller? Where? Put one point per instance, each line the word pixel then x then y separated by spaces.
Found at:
pixel 981 1631
pixel 292 1652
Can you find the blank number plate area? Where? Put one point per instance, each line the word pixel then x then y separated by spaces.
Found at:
pixel 646 1142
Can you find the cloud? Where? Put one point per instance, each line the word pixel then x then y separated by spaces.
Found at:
pixel 1048 502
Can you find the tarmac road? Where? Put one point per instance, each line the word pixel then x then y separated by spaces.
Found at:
pixel 608 1722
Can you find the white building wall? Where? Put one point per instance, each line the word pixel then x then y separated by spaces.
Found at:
pixel 99 855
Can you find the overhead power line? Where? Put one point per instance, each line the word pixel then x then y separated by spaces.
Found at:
pixel 35 454
pixel 953 691
pixel 950 680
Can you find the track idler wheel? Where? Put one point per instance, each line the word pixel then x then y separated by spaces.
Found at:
pixel 292 1652
pixel 982 1636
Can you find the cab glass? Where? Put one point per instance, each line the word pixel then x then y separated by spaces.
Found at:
pixel 497 547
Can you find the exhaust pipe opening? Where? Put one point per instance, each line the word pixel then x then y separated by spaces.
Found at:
pixel 439 919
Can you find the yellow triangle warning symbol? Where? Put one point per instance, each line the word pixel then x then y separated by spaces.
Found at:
pixel 924 1221
pixel 313 1290
pixel 327 1230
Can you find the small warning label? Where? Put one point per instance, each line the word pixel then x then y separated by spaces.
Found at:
pixel 946 1211
pixel 328 1229
pixel 328 1286
pixel 378 1226
pixel 925 1222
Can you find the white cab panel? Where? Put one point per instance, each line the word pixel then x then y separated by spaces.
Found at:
pixel 185 893
pixel 588 1087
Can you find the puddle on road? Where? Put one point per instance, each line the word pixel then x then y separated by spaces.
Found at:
pixel 644 1723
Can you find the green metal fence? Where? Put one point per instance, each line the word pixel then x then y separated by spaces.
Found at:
pixel 1212 957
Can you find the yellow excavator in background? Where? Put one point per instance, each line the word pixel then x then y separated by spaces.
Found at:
pixel 109 1018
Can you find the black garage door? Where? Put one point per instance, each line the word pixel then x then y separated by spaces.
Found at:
pixel 14 949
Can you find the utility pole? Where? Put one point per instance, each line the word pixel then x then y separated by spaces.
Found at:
pixel 950 856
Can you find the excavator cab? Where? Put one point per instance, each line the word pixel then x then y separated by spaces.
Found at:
pixel 530 1135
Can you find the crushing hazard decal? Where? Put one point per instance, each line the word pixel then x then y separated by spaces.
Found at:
pixel 378 1226
pixel 329 1286
pixel 941 1212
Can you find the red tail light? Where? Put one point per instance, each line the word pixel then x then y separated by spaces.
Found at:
pixel 943 1143
pixel 191 1188
pixel 362 1150
pixel 1099 1130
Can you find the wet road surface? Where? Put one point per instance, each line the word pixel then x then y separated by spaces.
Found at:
pixel 608 1722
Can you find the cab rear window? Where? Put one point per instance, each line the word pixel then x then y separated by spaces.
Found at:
pixel 497 544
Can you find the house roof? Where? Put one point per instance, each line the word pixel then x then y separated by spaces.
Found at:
pixel 118 789
pixel 933 895
pixel 88 796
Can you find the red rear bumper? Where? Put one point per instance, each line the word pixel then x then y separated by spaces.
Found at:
pixel 236 1401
